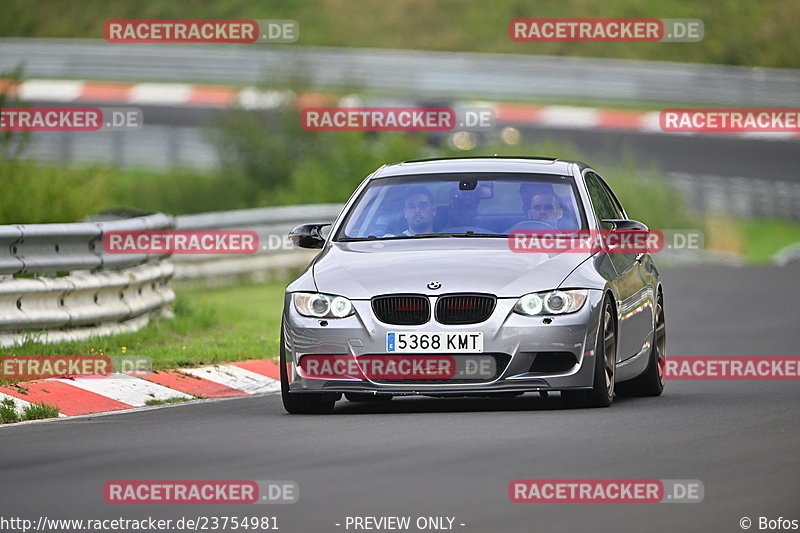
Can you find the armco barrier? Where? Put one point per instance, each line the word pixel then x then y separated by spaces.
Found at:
pixel 57 283
pixel 409 72
pixel 275 255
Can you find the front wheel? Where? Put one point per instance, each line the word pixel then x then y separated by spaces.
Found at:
pixel 301 403
pixel 651 383
pixel 605 354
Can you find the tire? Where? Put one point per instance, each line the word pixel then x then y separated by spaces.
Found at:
pixel 602 392
pixel 301 403
pixel 367 397
pixel 651 383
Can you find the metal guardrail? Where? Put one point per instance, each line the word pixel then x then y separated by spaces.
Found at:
pixel 738 197
pixel 276 254
pixel 420 73
pixel 425 73
pixel 59 277
pixel 105 294
pixel 787 255
pixel 57 283
pixel 53 248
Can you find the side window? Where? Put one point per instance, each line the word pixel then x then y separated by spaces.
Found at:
pixel 614 200
pixel 604 206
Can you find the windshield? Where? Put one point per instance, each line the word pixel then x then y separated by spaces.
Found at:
pixel 465 205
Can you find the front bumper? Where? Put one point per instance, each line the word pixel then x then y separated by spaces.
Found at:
pixel 517 339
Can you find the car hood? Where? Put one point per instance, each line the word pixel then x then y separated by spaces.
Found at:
pixel 362 270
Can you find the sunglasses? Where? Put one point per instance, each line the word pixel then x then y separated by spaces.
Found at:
pixel 543 207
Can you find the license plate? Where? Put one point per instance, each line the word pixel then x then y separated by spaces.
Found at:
pixel 434 342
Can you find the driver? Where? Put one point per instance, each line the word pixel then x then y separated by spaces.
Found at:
pixel 545 206
pixel 419 210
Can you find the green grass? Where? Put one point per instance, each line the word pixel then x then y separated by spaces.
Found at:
pixel 8 412
pixel 739 32
pixel 326 168
pixel 210 326
pixel 177 191
pixel 34 411
pixel 174 399
pixel 763 238
pixel 38 411
pixel 38 193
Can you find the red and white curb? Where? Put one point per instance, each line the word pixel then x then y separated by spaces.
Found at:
pixel 167 94
pixel 192 95
pixel 589 118
pixel 90 395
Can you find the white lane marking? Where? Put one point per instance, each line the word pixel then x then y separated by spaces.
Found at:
pixel 57 90
pixel 138 409
pixel 651 122
pixel 236 378
pixel 569 117
pixel 161 93
pixel 19 405
pixel 126 389
pixel 252 98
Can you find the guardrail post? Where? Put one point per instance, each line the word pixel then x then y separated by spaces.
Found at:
pixel 118 148
pixel 174 147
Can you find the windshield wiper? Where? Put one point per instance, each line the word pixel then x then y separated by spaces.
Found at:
pixel 357 239
pixel 421 236
pixel 461 234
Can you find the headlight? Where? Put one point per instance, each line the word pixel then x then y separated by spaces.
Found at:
pixel 551 302
pixel 322 305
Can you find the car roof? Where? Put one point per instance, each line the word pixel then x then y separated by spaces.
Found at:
pixel 537 165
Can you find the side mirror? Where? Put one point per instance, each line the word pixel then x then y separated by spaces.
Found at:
pixel 308 235
pixel 625 225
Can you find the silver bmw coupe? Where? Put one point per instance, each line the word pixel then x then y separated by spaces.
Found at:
pixel 436 280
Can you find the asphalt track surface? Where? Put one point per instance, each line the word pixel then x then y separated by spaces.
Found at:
pixel 455 457
pixel 730 156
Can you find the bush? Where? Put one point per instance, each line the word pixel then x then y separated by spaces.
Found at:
pixel 270 154
pixel 34 193
pixel 34 411
pixel 179 191
pixel 8 412
pixel 37 194
pixel 38 411
pixel 268 159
